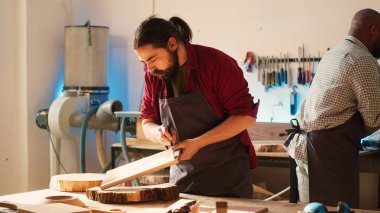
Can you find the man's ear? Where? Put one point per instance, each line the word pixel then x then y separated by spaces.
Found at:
pixel 172 44
pixel 374 29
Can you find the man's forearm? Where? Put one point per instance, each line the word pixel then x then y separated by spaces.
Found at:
pixel 150 129
pixel 232 126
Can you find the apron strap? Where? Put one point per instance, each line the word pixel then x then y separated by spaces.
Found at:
pixel 291 132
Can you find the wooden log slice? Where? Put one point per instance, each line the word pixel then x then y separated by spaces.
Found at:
pixel 75 182
pixel 122 195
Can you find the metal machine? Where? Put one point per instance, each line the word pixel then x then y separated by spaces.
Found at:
pixel 85 101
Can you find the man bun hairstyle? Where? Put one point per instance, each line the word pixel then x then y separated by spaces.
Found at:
pixel 157 31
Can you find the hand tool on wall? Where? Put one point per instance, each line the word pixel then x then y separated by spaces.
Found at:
pixel 299 77
pixel 283 75
pixel 288 72
pixel 279 72
pixel 270 69
pixel 265 74
pixel 249 61
pixel 275 77
pixel 268 74
pixel 259 68
pixel 293 101
pixel 262 75
pixel 303 65
pixel 273 73
pixel 307 71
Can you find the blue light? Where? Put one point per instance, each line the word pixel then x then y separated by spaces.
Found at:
pixel 59 82
pixel 118 75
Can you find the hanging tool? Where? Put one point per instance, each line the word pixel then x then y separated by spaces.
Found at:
pixel 285 75
pixel 273 73
pixel 299 78
pixel 269 73
pixel 303 65
pixel 282 69
pixel 307 71
pixel 288 71
pixel 259 67
pixel 249 61
pixel 293 101
pixel 279 76
pixel 262 75
pixel 266 74
pixel 285 70
pixel 311 72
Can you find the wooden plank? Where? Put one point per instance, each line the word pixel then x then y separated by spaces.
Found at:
pixel 134 194
pixel 53 207
pixel 139 168
pixel 135 143
pixel 262 131
pixel 75 182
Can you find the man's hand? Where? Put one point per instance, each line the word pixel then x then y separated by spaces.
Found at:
pixel 188 148
pixel 165 136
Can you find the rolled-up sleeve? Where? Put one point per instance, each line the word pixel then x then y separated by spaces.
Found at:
pixel 147 105
pixel 232 89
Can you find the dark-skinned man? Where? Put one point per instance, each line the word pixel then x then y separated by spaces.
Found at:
pixel 341 107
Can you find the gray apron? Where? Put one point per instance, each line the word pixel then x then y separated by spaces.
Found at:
pixel 333 159
pixel 220 169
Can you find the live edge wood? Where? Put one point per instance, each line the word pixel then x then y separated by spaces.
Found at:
pixel 75 182
pixel 123 195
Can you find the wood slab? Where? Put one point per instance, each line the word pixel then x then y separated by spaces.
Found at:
pixel 75 182
pixel 122 195
pixel 139 168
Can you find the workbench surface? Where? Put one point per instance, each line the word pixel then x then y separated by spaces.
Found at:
pixel 207 203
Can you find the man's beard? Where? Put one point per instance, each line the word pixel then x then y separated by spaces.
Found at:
pixel 171 70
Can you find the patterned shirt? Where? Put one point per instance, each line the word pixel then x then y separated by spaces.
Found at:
pixel 347 80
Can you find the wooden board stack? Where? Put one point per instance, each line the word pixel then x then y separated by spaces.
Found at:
pixel 122 195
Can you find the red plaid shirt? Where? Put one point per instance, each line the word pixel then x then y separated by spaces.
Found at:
pixel 220 80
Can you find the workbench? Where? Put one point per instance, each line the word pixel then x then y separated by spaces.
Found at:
pixel 206 203
pixel 276 164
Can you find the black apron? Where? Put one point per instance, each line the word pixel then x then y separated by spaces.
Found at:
pixel 333 163
pixel 220 169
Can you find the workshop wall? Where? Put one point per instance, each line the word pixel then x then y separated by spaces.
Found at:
pixel 31 59
pixel 11 126
pixel 268 28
